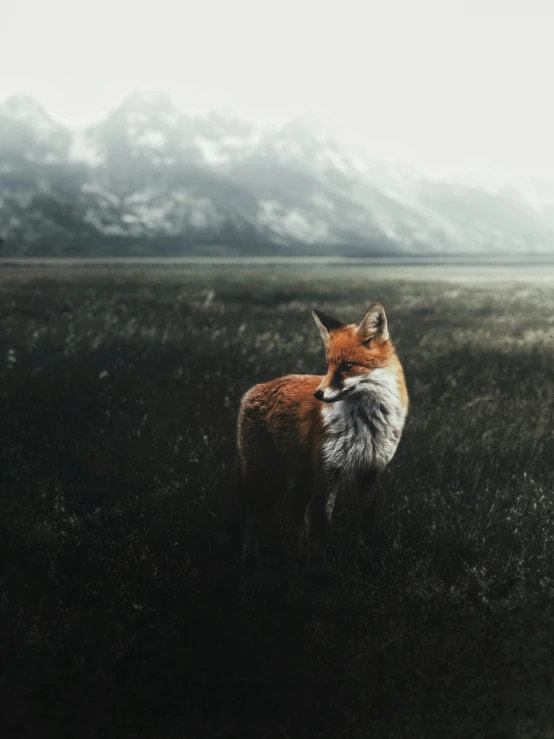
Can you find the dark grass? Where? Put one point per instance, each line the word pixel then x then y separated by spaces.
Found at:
pixel 119 393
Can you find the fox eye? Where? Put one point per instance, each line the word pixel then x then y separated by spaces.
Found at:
pixel 346 366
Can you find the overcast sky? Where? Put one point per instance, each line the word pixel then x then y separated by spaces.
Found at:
pixel 450 86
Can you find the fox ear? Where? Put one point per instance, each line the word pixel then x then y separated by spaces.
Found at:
pixel 325 324
pixel 374 324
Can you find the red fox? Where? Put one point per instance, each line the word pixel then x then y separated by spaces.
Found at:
pixel 321 433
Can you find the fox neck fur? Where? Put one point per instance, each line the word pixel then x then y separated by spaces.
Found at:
pixel 364 429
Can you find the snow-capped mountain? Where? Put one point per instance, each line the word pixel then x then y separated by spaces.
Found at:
pixel 150 178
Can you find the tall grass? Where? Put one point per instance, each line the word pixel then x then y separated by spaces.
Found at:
pixel 119 394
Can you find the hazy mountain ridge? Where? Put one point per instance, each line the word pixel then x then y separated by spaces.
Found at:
pixel 150 175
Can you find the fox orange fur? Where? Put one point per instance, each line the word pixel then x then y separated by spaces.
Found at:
pixel 321 433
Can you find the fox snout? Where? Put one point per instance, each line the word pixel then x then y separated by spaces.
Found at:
pixel 328 394
pixel 323 390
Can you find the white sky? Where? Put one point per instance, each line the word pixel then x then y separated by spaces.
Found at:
pixel 448 85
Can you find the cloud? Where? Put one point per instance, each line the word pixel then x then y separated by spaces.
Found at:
pixel 451 89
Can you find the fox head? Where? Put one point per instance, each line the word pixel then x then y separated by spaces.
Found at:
pixel 352 351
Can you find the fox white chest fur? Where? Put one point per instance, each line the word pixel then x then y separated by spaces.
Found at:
pixel 364 429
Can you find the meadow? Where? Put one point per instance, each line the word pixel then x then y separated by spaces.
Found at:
pixel 121 617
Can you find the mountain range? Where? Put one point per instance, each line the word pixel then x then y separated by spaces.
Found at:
pixel 151 180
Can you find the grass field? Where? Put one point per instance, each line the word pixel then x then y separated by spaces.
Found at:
pixel 119 392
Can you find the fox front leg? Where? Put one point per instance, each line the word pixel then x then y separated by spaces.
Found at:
pixel 320 512
pixel 369 499
pixel 302 489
